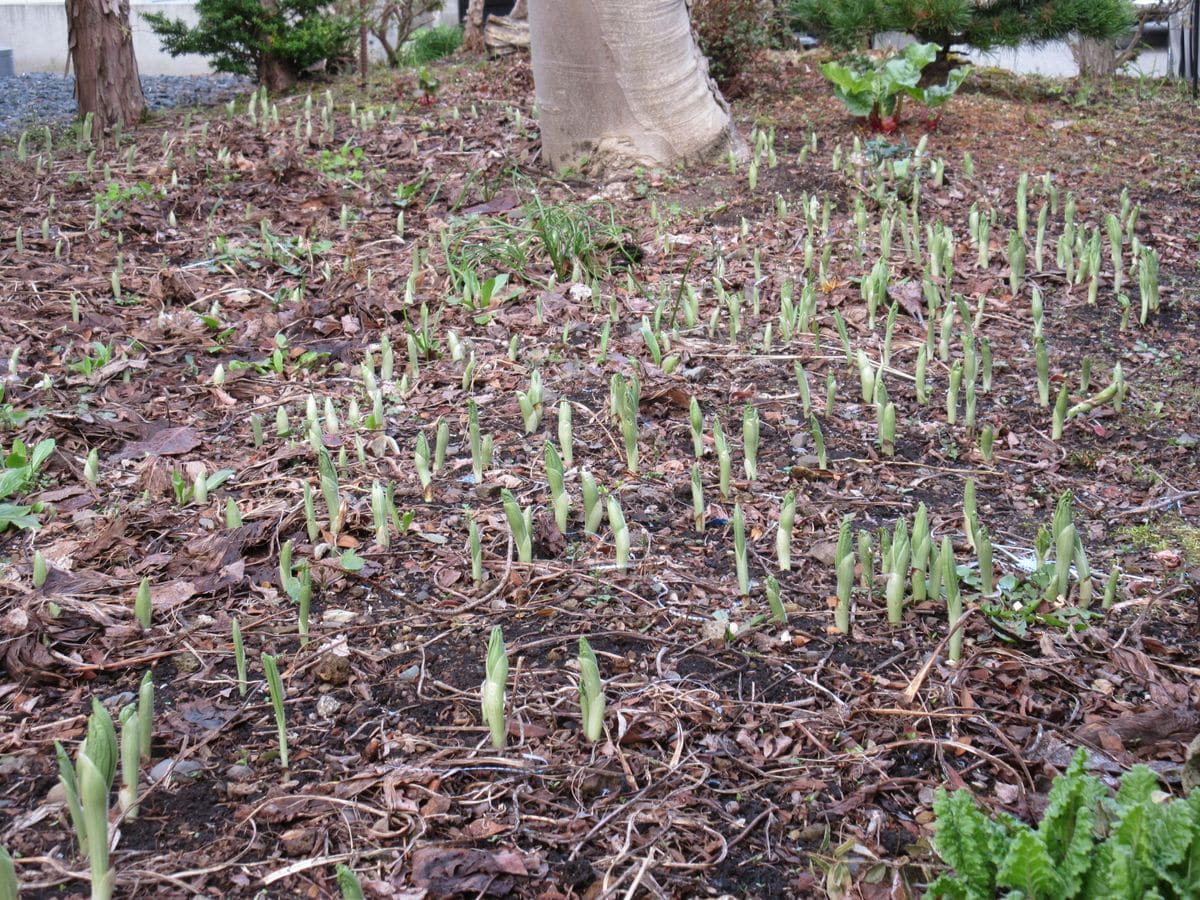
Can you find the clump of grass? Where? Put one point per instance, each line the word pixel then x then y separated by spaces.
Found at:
pixel 431 44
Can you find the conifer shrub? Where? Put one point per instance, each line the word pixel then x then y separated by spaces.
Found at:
pixel 982 24
pixel 272 41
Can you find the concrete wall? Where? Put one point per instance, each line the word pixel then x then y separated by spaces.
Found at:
pixel 36 30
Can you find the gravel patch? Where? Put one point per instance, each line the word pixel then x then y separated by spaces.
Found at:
pixel 43 98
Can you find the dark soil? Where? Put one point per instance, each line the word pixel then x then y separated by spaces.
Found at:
pixel 741 757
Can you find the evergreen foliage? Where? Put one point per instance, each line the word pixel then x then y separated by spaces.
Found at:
pixel 980 23
pixel 239 36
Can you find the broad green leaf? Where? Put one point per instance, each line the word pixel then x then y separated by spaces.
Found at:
pixel 351 561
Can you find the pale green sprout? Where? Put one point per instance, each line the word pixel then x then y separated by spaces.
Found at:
pixel 866 377
pixel 332 426
pixel 866 560
pixel 282 427
pixel 304 602
pixel 91 467
pixel 984 549
pixel 1112 225
pixel 593 509
pixel 239 657
pixel 697 498
pixel 1064 554
pixel 86 785
pixel 440 442
pixel 379 515
pixel 651 341
pixel 347 882
pixel 591 692
pixel 492 692
pixel 565 436
pixel 620 530
pixel 986 439
pixel 844 561
pixel 696 419
pixel 802 387
pixel 818 442
pixel 774 601
pixel 783 537
pixel 830 392
pixel 1083 573
pixel 896 564
pixel 558 493
pixel 1110 587
pixel 739 551
pixel 956 373
pixel 40 570
pixel 1039 247
pixel 1113 393
pixel 953 597
pixel 724 457
pixel 922 549
pixel 275 689
pixel 130 746
pixel 1043 372
pixel 287 578
pixel 9 887
pixel 94 785
pixel 887 430
pixel 387 359
pixel 142 609
pixel 531 402
pixel 330 490
pixel 312 528
pixel 970 512
pixel 919 375
pixel 233 515
pixel 520 525
pixel 423 464
pixel 481 446
pixel 750 433
pixel 626 398
pixel 1060 414
pixel 475 549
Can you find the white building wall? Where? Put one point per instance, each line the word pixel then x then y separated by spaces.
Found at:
pixel 36 30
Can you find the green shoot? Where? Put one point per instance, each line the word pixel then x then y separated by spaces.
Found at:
pixel 520 525
pixel 275 689
pixel 591 692
pixel 493 690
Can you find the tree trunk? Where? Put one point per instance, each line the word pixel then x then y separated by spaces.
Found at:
pixel 473 28
pixel 106 72
pixel 621 83
pixel 1096 59
pixel 275 74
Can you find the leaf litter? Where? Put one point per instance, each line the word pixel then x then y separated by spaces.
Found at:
pixel 741 757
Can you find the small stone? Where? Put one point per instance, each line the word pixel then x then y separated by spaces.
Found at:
pixel 327 706
pixel 239 772
pixel 185 768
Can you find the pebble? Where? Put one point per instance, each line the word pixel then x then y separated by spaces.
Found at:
pixel 183 769
pixel 44 98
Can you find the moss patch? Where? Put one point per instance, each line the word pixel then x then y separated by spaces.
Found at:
pixel 1168 532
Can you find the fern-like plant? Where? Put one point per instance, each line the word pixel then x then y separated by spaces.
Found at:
pixel 1089 844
